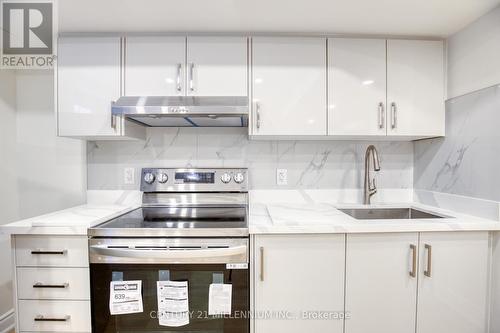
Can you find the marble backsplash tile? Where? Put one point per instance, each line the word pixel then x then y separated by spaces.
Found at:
pixel 466 162
pixel 310 164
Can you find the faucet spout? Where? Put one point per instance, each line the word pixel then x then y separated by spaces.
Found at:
pixel 370 186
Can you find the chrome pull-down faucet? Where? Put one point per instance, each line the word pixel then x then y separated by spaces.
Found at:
pixel 370 187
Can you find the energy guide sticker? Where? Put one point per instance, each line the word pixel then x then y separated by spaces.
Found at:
pixel 125 297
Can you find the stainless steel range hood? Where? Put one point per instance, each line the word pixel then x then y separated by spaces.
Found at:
pixel 184 111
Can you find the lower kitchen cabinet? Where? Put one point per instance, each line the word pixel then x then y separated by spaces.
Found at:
pixel 381 294
pixel 424 283
pixel 296 279
pixel 453 282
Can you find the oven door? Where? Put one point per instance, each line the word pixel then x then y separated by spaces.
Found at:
pixel 200 262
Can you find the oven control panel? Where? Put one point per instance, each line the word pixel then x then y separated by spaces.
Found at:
pixel 194 180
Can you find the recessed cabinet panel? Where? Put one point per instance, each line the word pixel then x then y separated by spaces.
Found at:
pixel 155 66
pixel 453 282
pixel 217 66
pixel 299 275
pixel 88 80
pixel 415 88
pixel 289 86
pixel 357 86
pixel 381 295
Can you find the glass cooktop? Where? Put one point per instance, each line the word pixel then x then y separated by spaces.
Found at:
pixel 180 221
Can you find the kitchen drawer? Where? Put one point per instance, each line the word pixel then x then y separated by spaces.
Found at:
pixel 57 251
pixel 71 316
pixel 53 283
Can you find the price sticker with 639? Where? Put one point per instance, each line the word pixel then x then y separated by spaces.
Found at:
pixel 125 297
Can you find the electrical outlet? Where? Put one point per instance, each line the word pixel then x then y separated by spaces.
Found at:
pixel 281 176
pixel 129 176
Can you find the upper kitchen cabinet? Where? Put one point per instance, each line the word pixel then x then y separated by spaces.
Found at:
pixel 392 88
pixel 357 86
pixel 88 80
pixel 217 66
pixel 415 88
pixel 288 86
pixel 180 66
pixel 155 66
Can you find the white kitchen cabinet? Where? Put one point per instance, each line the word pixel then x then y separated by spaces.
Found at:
pixel 180 66
pixel 415 88
pixel 155 66
pixel 381 294
pixel 217 66
pixel 88 80
pixel 453 282
pixel 357 86
pixel 51 281
pixel 288 86
pixel 296 276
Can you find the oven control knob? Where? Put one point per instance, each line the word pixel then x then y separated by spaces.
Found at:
pixel 162 178
pixel 239 177
pixel 149 178
pixel 225 178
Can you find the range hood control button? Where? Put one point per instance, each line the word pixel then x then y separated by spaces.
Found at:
pixel 239 178
pixel 162 178
pixel 149 178
pixel 225 178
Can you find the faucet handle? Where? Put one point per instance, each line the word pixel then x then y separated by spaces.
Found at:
pixel 373 186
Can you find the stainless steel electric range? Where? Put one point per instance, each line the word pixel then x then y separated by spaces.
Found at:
pixel 192 229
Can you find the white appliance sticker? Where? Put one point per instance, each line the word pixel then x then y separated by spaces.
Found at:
pixel 219 299
pixel 173 303
pixel 125 297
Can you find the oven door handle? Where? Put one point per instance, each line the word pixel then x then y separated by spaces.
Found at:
pixel 169 254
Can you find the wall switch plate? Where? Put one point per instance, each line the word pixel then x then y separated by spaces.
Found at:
pixel 129 176
pixel 281 176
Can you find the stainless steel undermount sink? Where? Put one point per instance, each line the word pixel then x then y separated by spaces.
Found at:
pixel 389 214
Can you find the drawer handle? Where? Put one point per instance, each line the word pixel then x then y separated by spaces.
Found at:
pixel 38 252
pixel 43 318
pixel 41 285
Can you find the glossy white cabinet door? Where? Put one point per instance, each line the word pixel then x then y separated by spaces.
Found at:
pixel 357 86
pixel 88 80
pixel 155 66
pixel 415 88
pixel 296 274
pixel 289 86
pixel 381 296
pixel 454 297
pixel 217 66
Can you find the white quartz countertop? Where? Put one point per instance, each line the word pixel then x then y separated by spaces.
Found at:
pixel 72 221
pixel 315 212
pixel 270 212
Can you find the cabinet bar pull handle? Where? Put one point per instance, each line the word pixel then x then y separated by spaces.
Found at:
pixel 191 76
pixel 113 122
pixel 42 318
pixel 380 115
pixel 41 285
pixel 394 109
pixel 257 111
pixel 413 271
pixel 428 271
pixel 179 70
pixel 261 263
pixel 38 252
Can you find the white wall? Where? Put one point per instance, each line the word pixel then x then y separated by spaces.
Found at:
pixel 8 187
pixel 51 170
pixel 474 56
